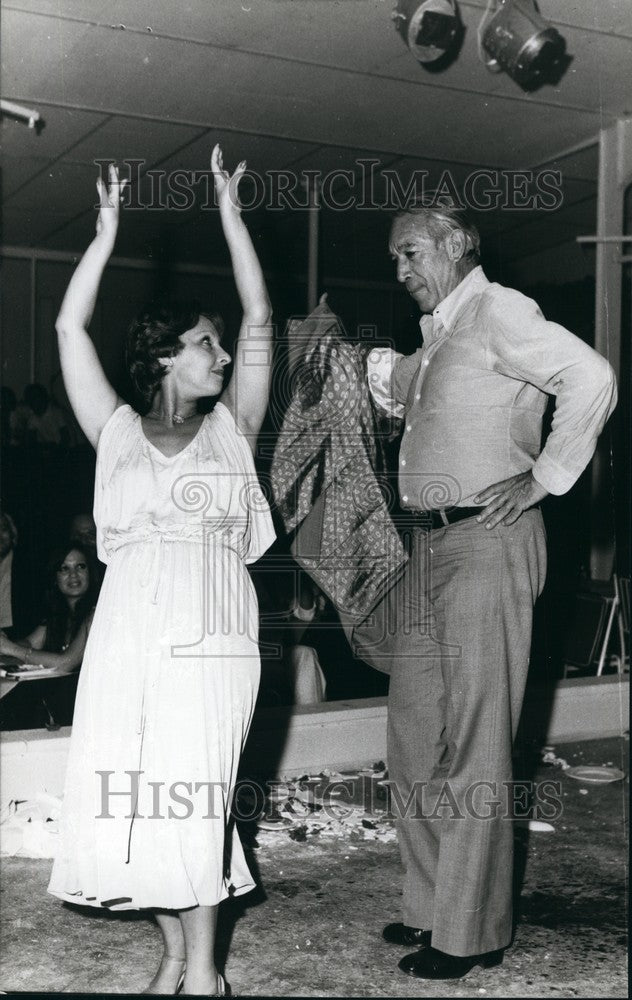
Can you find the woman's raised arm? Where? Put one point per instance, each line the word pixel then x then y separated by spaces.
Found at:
pixel 92 397
pixel 247 392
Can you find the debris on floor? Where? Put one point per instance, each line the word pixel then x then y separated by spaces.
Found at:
pixel 570 939
pixel 538 826
pixel 351 806
pixel 29 827
pixel 549 758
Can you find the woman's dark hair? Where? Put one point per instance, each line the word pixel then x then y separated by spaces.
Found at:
pixel 154 334
pixel 62 622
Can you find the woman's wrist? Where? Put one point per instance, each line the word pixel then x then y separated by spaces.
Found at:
pixel 104 243
pixel 21 652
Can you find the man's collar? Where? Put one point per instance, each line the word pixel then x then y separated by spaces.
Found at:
pixel 448 310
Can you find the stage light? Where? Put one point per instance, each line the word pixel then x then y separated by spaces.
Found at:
pixel 20 112
pixel 429 28
pixel 524 45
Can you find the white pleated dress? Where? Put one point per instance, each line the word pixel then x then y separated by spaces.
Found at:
pixel 170 673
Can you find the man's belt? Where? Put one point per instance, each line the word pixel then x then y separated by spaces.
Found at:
pixel 427 519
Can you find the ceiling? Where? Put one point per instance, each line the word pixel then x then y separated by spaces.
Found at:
pixel 291 85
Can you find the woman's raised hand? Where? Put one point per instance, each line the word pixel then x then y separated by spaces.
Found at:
pixel 225 184
pixel 110 197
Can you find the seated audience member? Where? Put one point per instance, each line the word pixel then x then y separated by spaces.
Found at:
pixel 19 586
pixel 305 674
pixel 47 424
pixel 83 530
pixel 8 407
pixel 59 642
pixel 347 676
pixel 19 423
pixel 8 542
pixel 305 656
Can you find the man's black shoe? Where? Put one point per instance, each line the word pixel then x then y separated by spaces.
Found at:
pixel 430 963
pixel 408 936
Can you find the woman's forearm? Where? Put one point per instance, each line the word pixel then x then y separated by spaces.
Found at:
pixel 246 395
pixel 17 649
pixel 247 271
pixel 64 663
pixel 91 396
pixel 61 662
pixel 81 295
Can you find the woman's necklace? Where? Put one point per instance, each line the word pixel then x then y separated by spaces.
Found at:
pixel 177 418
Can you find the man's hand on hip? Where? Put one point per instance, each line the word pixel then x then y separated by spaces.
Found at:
pixel 505 501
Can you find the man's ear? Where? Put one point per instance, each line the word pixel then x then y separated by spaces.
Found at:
pixel 166 362
pixel 456 244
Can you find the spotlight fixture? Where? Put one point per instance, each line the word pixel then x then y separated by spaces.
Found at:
pixel 429 28
pixel 18 111
pixel 524 45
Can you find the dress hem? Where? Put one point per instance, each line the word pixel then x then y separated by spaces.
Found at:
pixel 80 900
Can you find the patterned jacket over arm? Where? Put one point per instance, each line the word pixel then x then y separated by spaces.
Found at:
pixel 327 472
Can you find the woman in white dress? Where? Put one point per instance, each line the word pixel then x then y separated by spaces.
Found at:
pixel 171 667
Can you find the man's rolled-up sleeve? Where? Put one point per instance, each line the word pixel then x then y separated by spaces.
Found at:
pixel 525 345
pixel 380 365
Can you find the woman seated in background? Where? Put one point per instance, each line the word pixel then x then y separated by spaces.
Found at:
pixel 304 671
pixel 59 642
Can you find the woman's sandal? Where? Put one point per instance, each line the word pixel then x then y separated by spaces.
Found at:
pixel 163 961
pixel 224 987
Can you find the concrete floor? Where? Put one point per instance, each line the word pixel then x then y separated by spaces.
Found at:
pixel 313 929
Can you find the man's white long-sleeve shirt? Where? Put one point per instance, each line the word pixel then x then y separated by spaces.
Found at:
pixel 474 395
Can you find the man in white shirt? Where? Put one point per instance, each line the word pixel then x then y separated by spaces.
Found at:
pixel 471 473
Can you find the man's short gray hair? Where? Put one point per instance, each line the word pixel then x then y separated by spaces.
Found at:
pixel 442 217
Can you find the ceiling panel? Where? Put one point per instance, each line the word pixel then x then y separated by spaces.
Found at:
pixel 61 189
pixel 315 85
pixel 353 33
pixel 537 234
pixel 288 99
pixel 68 233
pixel 143 234
pixel 329 158
pixel 133 138
pixel 246 19
pixel 358 35
pixel 262 152
pixel 17 170
pixel 582 164
pixel 28 227
pixel 38 52
pixel 600 71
